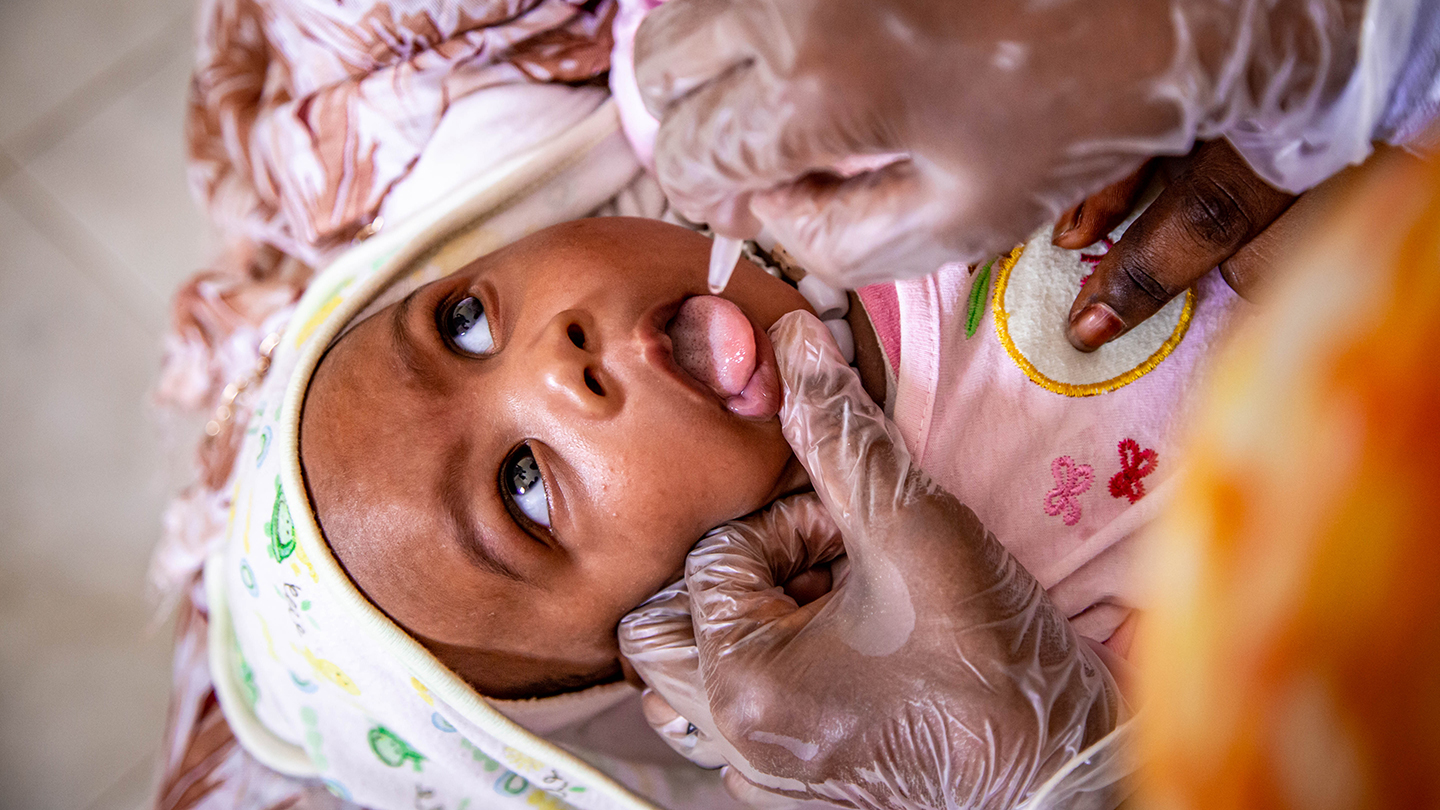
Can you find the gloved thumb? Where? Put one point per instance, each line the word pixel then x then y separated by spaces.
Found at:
pixel 855 456
pixel 864 219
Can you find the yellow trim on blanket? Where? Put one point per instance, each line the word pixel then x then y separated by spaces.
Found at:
pixel 1002 330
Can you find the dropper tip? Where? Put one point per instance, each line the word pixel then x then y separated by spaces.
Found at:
pixel 724 255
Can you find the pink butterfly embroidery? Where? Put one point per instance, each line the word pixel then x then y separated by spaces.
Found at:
pixel 1071 480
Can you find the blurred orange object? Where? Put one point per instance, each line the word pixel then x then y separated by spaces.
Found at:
pixel 1292 658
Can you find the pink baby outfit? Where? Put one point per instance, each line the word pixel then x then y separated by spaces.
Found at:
pixel 1065 482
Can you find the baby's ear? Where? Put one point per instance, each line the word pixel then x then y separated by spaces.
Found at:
pixel 631 676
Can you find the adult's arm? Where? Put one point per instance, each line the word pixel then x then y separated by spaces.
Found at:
pixel 878 139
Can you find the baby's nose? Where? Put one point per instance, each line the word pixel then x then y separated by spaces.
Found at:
pixel 571 367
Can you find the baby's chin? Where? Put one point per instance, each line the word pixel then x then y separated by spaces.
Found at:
pixel 793 480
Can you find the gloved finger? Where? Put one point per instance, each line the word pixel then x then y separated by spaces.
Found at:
pixel 684 737
pixel 731 124
pixel 856 459
pixel 860 228
pixel 658 639
pixel 1213 208
pixel 659 713
pixel 734 574
pixel 659 632
pixel 752 795
pixel 685 44
pixel 681 50
pixel 705 154
pixel 697 164
pixel 1098 214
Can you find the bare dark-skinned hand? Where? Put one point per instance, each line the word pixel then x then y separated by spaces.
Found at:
pixel 1217 212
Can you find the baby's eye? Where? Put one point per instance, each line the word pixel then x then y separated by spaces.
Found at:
pixel 520 476
pixel 468 328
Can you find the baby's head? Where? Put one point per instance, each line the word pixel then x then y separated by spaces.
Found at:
pixel 509 460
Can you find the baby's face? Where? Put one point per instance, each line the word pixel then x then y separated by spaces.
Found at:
pixel 508 460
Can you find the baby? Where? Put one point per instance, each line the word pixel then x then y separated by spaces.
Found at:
pixel 461 492
pixel 575 412
pixel 513 457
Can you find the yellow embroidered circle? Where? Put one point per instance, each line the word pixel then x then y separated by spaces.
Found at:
pixel 1002 330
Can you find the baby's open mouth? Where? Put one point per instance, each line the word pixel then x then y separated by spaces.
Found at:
pixel 713 341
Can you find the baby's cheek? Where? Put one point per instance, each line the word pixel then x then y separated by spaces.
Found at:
pixel 760 463
pixel 638 575
pixel 717 468
pixel 729 473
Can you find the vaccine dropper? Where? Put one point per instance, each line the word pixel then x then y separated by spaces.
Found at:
pixel 724 255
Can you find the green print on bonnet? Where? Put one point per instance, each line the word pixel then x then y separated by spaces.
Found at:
pixel 392 750
pixel 280 529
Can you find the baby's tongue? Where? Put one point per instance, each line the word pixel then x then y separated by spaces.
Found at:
pixel 713 341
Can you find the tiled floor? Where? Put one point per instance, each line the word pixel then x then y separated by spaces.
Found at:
pixel 97 228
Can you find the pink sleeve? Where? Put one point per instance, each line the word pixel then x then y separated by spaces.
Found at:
pixel 882 304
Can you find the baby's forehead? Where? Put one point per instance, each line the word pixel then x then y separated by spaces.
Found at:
pixel 375 452
pixel 363 427
pixel 638 247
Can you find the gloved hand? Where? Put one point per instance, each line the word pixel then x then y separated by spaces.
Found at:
pixel 935 673
pixel 1003 113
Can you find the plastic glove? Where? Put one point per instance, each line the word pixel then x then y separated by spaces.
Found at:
pixel 936 673
pixel 1008 112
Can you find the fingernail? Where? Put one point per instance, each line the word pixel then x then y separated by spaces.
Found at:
pixel 1062 227
pixel 1094 327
